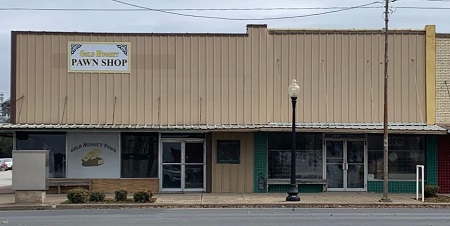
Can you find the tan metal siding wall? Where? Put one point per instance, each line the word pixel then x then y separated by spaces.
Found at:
pixel 38 82
pixel 233 177
pixel 443 79
pixel 173 80
pixel 341 77
pixel 223 79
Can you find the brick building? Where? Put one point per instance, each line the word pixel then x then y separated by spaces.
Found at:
pixel 443 108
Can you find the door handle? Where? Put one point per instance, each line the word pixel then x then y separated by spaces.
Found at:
pixel 345 166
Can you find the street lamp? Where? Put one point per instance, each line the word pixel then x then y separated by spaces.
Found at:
pixel 294 91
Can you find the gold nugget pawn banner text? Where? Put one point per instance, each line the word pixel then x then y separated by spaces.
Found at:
pixel 93 155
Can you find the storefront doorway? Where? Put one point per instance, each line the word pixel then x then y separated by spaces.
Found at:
pixel 182 165
pixel 346 164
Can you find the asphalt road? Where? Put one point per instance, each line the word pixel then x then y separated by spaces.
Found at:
pixel 200 217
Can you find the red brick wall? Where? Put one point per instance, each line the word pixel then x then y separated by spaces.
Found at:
pixel 444 164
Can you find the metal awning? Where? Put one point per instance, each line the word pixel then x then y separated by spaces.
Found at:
pixel 409 128
pixel 445 126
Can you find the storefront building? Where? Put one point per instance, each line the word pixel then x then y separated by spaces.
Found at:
pixel 210 112
pixel 443 108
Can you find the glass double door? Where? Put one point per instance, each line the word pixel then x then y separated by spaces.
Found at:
pixel 346 165
pixel 182 165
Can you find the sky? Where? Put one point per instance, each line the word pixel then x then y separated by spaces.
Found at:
pixel 136 16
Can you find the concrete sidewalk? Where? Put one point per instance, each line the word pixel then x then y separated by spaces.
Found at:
pixel 279 198
pixel 234 200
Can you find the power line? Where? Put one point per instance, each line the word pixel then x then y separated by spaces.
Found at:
pixel 185 9
pixel 222 9
pixel 418 7
pixel 242 19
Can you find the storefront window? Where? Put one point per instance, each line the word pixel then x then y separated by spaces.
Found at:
pixel 54 142
pixel 405 152
pixel 228 151
pixel 93 155
pixel 309 162
pixel 139 155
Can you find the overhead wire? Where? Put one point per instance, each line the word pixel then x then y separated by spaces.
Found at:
pixel 246 19
pixel 219 9
pixel 184 9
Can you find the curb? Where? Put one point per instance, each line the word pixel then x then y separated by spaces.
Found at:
pixel 199 206
pixel 26 207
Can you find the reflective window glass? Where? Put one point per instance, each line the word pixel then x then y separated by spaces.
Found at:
pixel 405 152
pixel 309 163
pixel 139 155
pixel 54 142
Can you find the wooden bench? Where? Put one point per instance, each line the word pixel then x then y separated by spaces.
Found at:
pixel 322 182
pixel 70 183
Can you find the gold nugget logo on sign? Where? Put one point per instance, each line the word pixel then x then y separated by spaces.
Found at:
pixel 92 158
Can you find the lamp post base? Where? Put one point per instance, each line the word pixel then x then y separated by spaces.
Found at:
pixel 293 194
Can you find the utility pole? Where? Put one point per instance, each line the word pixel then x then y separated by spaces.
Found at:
pixel 385 124
pixel 2 111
